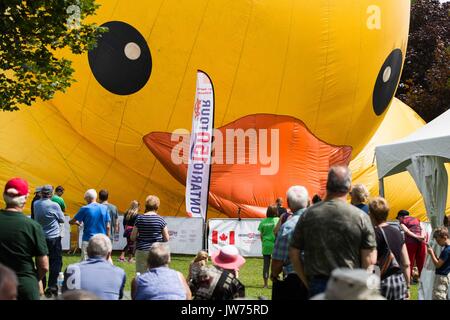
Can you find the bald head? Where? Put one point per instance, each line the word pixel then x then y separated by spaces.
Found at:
pixel 339 180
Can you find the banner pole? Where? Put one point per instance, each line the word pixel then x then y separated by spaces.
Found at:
pixel 205 236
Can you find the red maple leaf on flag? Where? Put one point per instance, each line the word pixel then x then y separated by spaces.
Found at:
pixel 223 237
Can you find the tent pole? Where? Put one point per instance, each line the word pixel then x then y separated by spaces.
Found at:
pixel 381 187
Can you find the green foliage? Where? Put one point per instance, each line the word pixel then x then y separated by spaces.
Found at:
pixel 425 81
pixel 32 33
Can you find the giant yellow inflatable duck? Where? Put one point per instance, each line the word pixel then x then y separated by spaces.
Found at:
pixel 321 72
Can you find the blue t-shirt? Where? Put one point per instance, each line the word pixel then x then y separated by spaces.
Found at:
pixel 98 276
pixel 160 283
pixel 49 215
pixel 95 218
pixel 445 255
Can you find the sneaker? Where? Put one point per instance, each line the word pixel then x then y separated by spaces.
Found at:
pixel 121 259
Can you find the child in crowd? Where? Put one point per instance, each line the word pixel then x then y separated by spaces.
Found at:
pixel 442 278
pixel 200 260
pixel 129 220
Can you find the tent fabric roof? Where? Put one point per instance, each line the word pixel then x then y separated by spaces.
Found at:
pixel 433 139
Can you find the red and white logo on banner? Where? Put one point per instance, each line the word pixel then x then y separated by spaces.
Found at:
pixel 223 238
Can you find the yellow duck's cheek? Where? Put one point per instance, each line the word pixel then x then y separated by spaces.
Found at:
pixel 121 63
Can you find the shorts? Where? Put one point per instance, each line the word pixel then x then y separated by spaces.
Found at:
pixel 141 257
pixel 440 288
pixel 394 287
pixel 84 245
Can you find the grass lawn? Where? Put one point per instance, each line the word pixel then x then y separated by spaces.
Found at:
pixel 414 292
pixel 250 274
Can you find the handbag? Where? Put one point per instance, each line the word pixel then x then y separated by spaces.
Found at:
pixel 388 262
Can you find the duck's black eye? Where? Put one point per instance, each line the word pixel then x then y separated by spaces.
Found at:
pixel 387 81
pixel 121 62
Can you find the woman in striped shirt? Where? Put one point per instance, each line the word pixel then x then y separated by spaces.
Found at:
pixel 148 228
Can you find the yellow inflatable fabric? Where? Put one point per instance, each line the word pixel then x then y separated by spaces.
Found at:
pixel 333 65
pixel 400 189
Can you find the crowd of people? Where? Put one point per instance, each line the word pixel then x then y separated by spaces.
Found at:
pixel 31 248
pixel 312 239
pixel 313 249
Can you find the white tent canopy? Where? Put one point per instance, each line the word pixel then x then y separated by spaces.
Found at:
pixel 423 154
pixel 433 139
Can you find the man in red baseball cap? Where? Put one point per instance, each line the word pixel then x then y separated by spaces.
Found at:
pixel 21 239
pixel 16 190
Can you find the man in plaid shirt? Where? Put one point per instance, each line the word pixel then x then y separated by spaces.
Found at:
pixel 290 287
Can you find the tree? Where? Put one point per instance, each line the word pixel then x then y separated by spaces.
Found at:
pixel 425 81
pixel 32 34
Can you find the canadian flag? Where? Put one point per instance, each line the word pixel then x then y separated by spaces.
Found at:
pixel 222 238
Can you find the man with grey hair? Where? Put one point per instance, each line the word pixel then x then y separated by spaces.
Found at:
pixel 297 198
pixel 8 284
pixel 158 255
pixel 97 274
pixel 22 241
pixel 296 193
pixel 290 286
pixel 95 219
pixel 49 215
pixel 160 282
pixel 333 234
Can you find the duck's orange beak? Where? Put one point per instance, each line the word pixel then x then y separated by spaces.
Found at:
pixel 293 156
